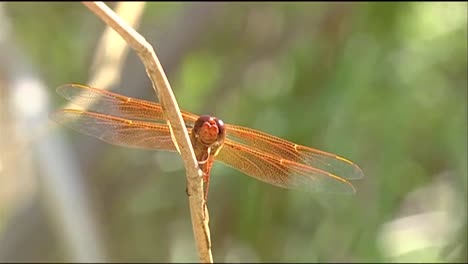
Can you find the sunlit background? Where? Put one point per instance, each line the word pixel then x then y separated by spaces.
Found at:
pixel 383 84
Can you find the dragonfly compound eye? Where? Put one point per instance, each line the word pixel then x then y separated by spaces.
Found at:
pixel 209 129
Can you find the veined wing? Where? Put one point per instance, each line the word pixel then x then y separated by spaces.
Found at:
pixel 117 131
pixel 127 127
pixel 281 172
pixel 102 101
pixel 283 149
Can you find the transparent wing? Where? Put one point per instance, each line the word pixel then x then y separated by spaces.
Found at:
pixel 102 101
pixel 281 172
pixel 117 131
pixel 284 149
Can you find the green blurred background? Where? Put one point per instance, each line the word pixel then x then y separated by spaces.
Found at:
pixel 383 84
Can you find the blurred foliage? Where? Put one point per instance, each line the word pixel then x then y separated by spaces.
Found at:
pixel 383 84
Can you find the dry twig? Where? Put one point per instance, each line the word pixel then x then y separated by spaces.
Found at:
pixel 172 112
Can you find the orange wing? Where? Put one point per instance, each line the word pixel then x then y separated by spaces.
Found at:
pixel 284 149
pixel 102 101
pixel 261 165
pixel 117 131
pixel 255 153
pixel 281 172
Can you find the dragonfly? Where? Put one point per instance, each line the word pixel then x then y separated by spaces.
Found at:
pixel 136 123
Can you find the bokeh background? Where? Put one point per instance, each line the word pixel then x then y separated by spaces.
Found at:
pixel 383 84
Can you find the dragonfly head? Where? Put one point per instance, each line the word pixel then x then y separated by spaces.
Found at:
pixel 209 130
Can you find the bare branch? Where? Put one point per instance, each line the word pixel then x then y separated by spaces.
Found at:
pixel 112 50
pixel 175 122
